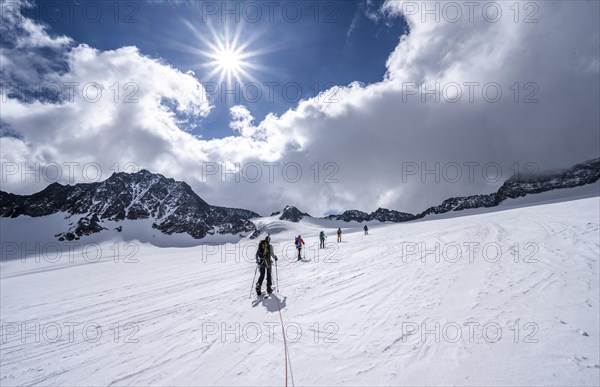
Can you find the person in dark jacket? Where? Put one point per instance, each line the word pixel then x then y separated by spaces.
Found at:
pixel 322 237
pixel 366 230
pixel 263 260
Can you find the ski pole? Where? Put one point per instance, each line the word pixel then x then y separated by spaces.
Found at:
pixel 255 270
pixel 276 278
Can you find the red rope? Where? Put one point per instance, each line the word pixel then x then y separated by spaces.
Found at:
pixel 284 340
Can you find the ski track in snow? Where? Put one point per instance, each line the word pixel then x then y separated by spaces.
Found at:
pixel 351 303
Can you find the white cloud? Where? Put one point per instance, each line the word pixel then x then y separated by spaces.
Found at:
pixel 36 36
pixel 364 137
pixel 242 122
pixel 25 32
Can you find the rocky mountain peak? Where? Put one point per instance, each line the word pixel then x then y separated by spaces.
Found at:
pixel 292 214
pixel 172 205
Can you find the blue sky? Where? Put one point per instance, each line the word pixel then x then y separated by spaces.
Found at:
pixel 368 136
pixel 329 43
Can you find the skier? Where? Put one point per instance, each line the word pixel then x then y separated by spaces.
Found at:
pixel 339 232
pixel 322 238
pixel 366 230
pixel 299 242
pixel 263 260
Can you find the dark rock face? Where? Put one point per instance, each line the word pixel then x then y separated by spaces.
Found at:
pixel 351 215
pixel 580 174
pixel 172 205
pixel 85 226
pixel 463 203
pixel 385 215
pixel 256 233
pixel 292 214
pixel 382 215
pixel 517 186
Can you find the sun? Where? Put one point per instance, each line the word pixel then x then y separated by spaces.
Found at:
pixel 227 57
pixel 229 60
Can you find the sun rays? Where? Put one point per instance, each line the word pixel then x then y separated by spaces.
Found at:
pixel 228 58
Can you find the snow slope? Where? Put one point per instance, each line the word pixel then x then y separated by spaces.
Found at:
pixel 355 313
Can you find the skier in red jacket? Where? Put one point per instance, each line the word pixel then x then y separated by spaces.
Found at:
pixel 299 242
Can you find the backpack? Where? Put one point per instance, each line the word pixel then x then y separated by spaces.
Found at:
pixel 263 249
pixel 297 241
pixel 322 235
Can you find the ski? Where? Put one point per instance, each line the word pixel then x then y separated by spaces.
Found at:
pixel 262 296
pixel 257 300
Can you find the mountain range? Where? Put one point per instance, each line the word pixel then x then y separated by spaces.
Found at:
pixel 173 207
pixel 517 186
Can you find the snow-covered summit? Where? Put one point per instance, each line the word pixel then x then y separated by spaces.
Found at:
pixel 172 206
pixel 292 214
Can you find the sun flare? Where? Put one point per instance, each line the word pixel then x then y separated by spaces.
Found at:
pixel 229 60
pixel 229 57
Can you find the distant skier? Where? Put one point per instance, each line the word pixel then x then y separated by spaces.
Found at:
pixel 322 237
pixel 263 260
pixel 299 242
pixel 339 233
pixel 366 230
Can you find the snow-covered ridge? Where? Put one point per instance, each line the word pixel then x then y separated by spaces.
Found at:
pixel 172 205
pixel 517 186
